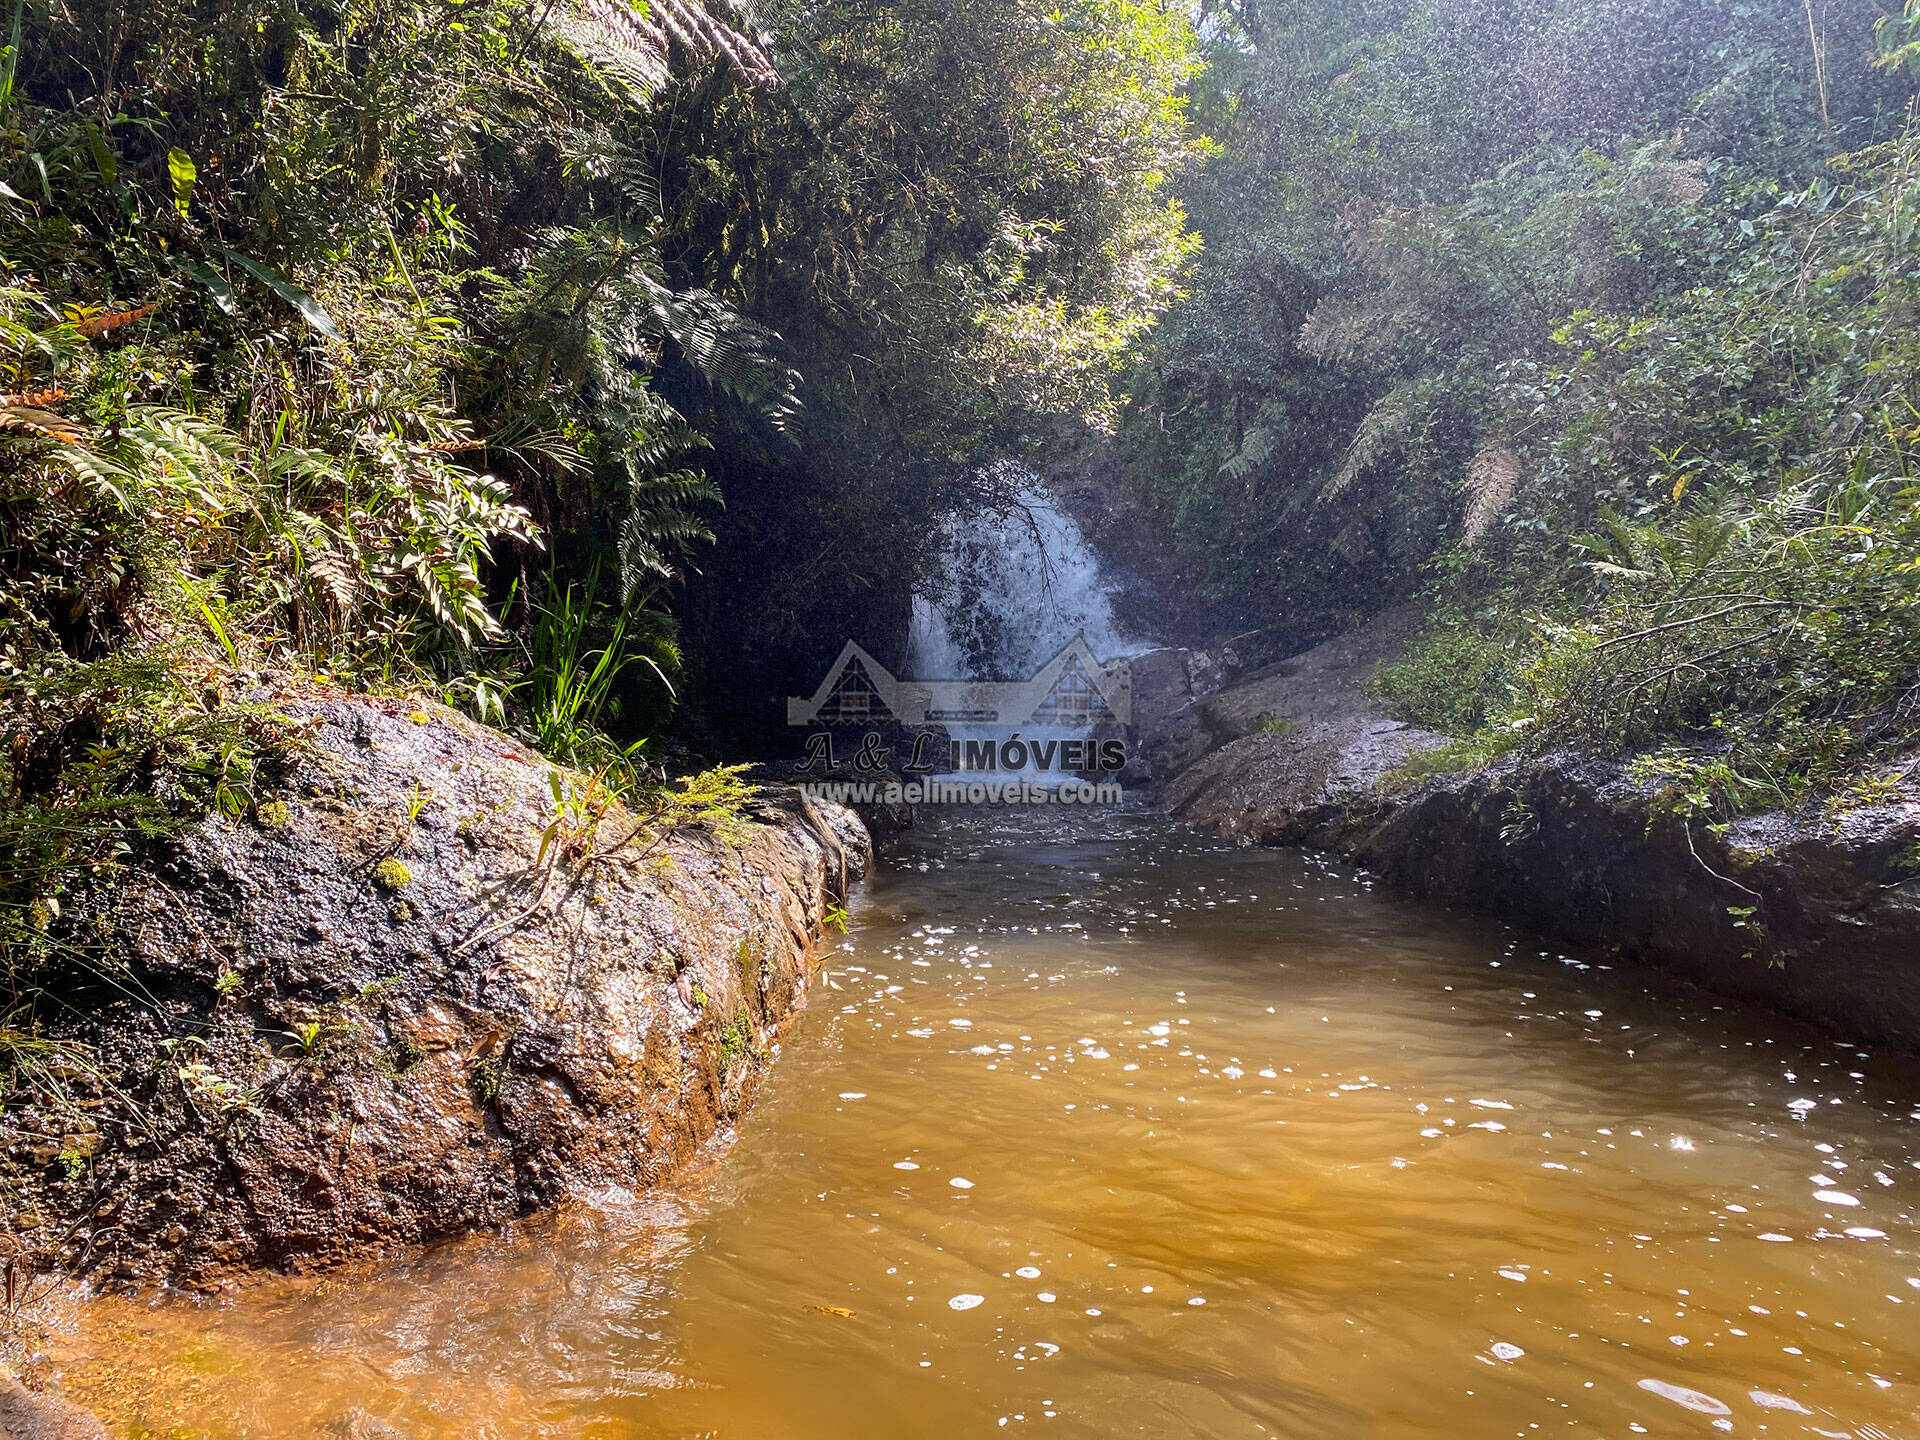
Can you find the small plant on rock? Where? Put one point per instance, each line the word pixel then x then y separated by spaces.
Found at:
pixel 392 875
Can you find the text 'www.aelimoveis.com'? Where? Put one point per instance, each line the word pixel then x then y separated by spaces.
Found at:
pixel 1021 791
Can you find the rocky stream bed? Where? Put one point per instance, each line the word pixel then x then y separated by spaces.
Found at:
pixel 383 1008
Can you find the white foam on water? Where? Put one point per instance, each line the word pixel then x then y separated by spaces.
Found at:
pixel 1687 1399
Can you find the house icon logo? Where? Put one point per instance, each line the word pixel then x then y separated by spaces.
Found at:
pixel 1072 691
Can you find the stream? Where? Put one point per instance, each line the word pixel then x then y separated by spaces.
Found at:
pixel 1098 1127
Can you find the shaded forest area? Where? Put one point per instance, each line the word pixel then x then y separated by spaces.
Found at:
pixel 598 368
pixel 567 362
pixel 1593 327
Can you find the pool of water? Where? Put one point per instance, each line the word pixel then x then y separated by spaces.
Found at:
pixel 1097 1127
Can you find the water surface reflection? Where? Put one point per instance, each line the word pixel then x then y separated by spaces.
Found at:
pixel 1101 1128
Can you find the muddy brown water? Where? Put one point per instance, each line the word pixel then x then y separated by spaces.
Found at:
pixel 1101 1128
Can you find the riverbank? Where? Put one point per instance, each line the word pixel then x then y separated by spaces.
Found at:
pixel 429 985
pixel 1814 913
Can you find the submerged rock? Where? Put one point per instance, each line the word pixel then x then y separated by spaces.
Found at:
pixel 433 985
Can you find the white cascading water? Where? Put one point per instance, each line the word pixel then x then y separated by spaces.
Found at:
pixel 1016 589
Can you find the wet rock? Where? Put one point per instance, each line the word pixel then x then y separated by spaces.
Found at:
pixel 1169 691
pixel 1814 914
pixel 1166 682
pixel 879 819
pixel 27 1416
pixel 297 1069
pixel 1278 787
pixel 1262 757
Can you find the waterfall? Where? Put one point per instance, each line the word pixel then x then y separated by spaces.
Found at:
pixel 1015 588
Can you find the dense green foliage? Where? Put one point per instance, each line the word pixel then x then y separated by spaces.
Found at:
pixel 582 362
pixel 1410 201
pixel 960 217
pixel 417 346
pixel 1595 321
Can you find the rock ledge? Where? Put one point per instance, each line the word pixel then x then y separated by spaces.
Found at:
pixel 1815 914
pixel 386 1008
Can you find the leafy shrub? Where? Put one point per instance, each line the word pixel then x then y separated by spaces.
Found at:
pixel 1443 233
pixel 1782 634
pixel 284 373
pixel 1450 679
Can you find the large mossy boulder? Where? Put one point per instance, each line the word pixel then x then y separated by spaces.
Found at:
pixel 426 986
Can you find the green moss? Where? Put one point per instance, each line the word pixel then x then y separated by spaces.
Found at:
pixel 392 875
pixel 737 1040
pixel 274 815
pixel 746 960
pixel 1455 757
pixel 484 1080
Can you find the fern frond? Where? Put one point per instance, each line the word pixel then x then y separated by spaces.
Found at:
pixel 731 352
pixel 1331 332
pixel 634 45
pixel 1386 428
pixel 33 420
pixel 91 325
pixel 1492 480
pixel 35 399
pixel 1257 444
